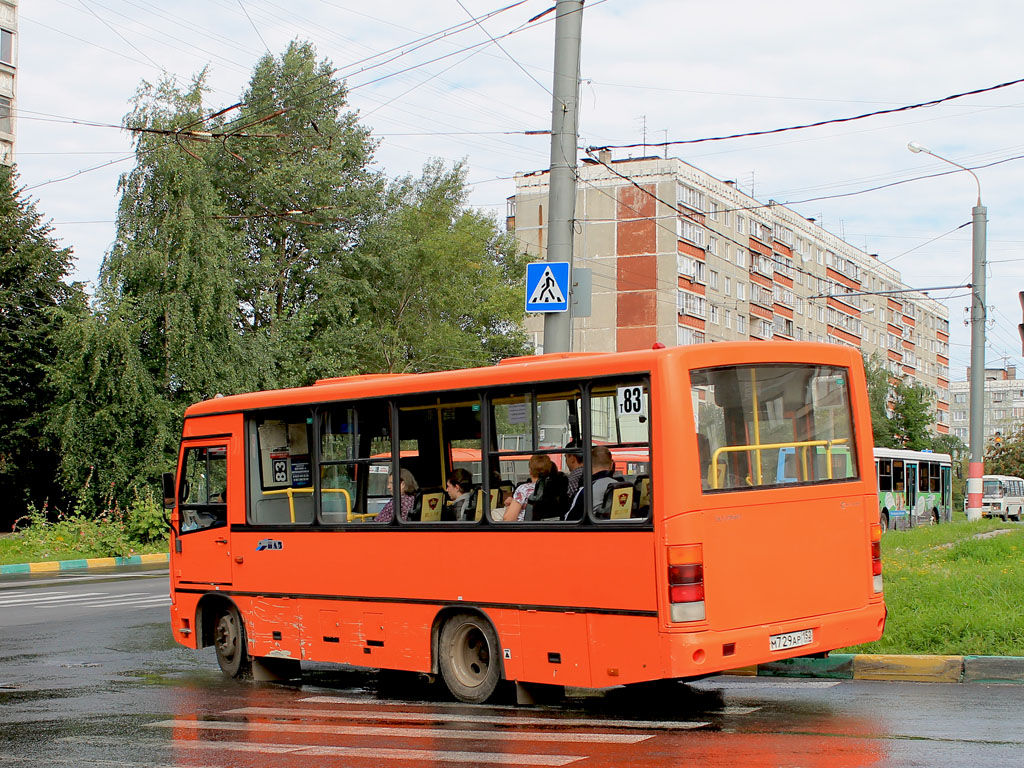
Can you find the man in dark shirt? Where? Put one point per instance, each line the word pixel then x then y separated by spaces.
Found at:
pixel 602 468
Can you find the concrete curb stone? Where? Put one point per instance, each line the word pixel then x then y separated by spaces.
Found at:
pixel 893 667
pixel 53 566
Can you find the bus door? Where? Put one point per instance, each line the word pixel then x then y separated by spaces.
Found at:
pixel 202 546
pixel 911 480
pixel 946 479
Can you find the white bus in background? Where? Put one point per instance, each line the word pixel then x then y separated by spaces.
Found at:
pixel 1002 496
pixel 914 487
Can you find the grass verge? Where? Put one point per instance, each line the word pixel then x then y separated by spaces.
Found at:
pixel 949 590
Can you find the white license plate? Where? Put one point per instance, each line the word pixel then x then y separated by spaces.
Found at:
pixel 791 640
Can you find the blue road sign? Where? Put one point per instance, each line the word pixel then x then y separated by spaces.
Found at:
pixel 547 286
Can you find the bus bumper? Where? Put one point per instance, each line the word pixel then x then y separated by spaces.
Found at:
pixel 702 652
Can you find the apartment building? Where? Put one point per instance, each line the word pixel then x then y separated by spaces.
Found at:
pixel 1004 404
pixel 8 77
pixel 681 257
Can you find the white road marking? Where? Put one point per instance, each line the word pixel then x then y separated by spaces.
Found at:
pixel 440 717
pixel 49 597
pixel 752 682
pixel 382 753
pixel 404 733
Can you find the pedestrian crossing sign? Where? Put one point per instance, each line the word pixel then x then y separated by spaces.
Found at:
pixel 547 286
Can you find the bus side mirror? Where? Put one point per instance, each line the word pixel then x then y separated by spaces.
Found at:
pixel 168 483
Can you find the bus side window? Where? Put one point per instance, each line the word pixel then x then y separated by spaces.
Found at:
pixel 885 475
pixel 355 461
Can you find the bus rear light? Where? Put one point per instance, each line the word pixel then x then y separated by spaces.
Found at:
pixel 876 557
pixel 686 582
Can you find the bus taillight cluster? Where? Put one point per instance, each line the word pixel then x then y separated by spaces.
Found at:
pixel 686 582
pixel 876 556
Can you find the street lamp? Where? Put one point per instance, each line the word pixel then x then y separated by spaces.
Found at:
pixel 977 406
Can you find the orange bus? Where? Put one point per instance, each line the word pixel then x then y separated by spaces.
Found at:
pixel 285 545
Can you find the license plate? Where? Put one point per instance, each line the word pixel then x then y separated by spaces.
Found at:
pixel 791 640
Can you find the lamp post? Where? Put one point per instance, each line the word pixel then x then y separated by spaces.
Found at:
pixel 979 221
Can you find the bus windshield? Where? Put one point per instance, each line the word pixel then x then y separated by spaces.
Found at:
pixel 766 425
pixel 992 488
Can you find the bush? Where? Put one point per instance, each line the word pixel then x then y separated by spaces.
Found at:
pixel 44 534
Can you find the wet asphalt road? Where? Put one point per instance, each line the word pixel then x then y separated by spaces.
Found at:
pixel 90 676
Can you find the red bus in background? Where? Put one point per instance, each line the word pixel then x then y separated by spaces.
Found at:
pixel 689 557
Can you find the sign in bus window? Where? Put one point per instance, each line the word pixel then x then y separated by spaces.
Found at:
pixel 772 425
pixel 281 487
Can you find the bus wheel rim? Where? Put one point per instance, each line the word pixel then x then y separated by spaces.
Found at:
pixel 227 636
pixel 471 657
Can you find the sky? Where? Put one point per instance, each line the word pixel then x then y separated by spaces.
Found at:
pixel 651 70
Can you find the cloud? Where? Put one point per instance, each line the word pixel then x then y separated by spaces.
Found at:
pixel 683 69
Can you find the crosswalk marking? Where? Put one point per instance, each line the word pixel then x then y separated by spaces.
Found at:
pixel 406 733
pixel 440 717
pixel 83 600
pixel 48 597
pixel 376 753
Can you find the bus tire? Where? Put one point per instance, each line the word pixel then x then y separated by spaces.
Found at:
pixel 883 520
pixel 229 642
pixel 469 657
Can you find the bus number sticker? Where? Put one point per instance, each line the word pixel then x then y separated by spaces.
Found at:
pixel 631 401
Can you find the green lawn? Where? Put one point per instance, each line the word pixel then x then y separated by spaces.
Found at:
pixel 949 591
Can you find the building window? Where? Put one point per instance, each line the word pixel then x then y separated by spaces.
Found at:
pixel 741 290
pixel 741 323
pixel 6 124
pixel 712 280
pixel 728 319
pixel 740 224
pixel 741 258
pixel 7 47
pixel 728 286
pixel 713 245
pixel 713 314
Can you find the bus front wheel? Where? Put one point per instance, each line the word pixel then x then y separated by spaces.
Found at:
pixel 229 642
pixel 469 657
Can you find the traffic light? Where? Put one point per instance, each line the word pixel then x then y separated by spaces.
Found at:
pixel 1020 326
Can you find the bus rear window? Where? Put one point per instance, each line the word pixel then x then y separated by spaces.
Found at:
pixel 772 425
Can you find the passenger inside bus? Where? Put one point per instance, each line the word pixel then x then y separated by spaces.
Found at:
pixel 408 488
pixel 602 468
pixel 460 484
pixel 540 466
pixel 574 463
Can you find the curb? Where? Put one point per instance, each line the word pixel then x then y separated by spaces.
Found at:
pixel 53 566
pixel 920 669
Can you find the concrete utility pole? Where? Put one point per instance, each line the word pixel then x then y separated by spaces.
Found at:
pixel 979 223
pixel 562 178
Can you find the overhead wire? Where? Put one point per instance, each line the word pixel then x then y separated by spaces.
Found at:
pixel 816 124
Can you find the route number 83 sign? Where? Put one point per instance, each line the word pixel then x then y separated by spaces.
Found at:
pixel 631 401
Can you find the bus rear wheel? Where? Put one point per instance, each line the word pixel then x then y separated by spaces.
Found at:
pixel 469 658
pixel 229 642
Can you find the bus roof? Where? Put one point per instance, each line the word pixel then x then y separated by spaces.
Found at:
pixel 553 366
pixel 927 456
pixel 900 453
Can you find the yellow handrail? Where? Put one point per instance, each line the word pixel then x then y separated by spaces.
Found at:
pixel 773 446
pixel 290 493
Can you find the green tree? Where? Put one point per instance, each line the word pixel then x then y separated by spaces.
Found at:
pixel 879 396
pixel 913 416
pixel 115 427
pixel 300 193
pixel 172 261
pixel 1006 458
pixel 34 295
pixel 447 283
